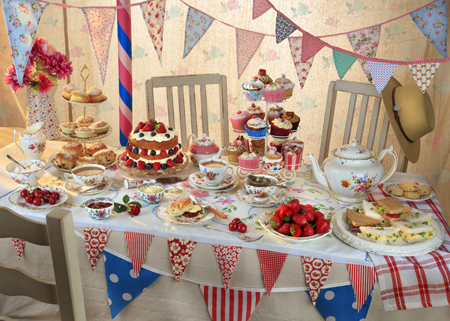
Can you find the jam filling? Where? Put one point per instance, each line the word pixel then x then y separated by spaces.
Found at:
pixel 98 205
pixel 190 215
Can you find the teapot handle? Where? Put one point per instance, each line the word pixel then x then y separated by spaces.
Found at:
pixel 14 138
pixel 394 166
pixel 193 136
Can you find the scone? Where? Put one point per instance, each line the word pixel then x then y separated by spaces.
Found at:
pixel 74 149
pixel 105 157
pixel 64 160
pixel 94 148
pixel 86 161
pixel 99 126
pixel 85 121
pixel 84 132
pixel 412 195
pixel 79 96
pixel 185 209
pixel 395 190
pixel 95 95
pixel 68 127
pixel 408 186
pixel 423 189
pixel 67 91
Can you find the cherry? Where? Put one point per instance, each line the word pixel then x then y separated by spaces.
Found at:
pixel 236 220
pixel 242 227
pixel 56 195
pixel 39 193
pixel 24 193
pixel 37 201
pixel 47 197
pixel 37 189
pixel 29 199
pixel 52 200
pixel 232 226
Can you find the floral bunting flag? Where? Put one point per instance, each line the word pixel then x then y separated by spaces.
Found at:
pixel 22 19
pixel 180 253
pixel 226 257
pixel 197 23
pixel 95 240
pixel 316 274
pixel 310 46
pixel 432 21
pixel 100 23
pixel 247 43
pixel 19 245
pixel 365 42
pixel 362 278
pixel 271 265
pixel 260 7
pixel 342 62
pixel 153 13
pixel 423 73
pixel 381 73
pixel 137 245
pixel 302 68
pixel 283 28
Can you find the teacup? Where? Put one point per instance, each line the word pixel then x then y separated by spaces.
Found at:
pixel 214 170
pixel 261 192
pixel 88 175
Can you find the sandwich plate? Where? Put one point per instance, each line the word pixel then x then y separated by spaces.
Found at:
pixel 164 215
pixel 402 198
pixel 342 230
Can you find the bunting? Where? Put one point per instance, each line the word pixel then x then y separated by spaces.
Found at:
pixel 381 73
pixel 22 19
pixel 100 23
pixel 423 73
pixel 363 279
pixel 310 46
pixel 180 253
pixel 153 13
pixel 302 69
pixel 247 43
pixel 260 7
pixel 19 245
pixel 342 62
pixel 316 274
pixel 137 245
pixel 226 257
pixel 283 28
pixel 95 240
pixel 271 265
pixel 197 23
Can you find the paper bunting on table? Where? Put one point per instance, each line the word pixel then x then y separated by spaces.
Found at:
pixel 381 73
pixel 226 257
pixel 229 304
pixel 153 13
pixel 365 42
pixel 19 245
pixel 180 253
pixel 197 23
pixel 95 240
pixel 271 265
pixel 316 274
pixel 247 43
pixel 310 46
pixel 302 68
pixel 22 19
pixel 137 245
pixel 260 7
pixel 122 283
pixel 342 62
pixel 362 278
pixel 100 23
pixel 432 21
pixel 423 73
pixel 283 28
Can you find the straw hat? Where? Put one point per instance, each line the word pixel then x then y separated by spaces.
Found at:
pixel 411 115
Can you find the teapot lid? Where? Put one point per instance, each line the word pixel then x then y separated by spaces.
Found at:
pixel 204 141
pixel 353 151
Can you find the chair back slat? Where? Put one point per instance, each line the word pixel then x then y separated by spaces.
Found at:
pixel 224 111
pixel 327 122
pixel 194 129
pixel 349 122
pixel 150 98
pixel 204 105
pixel 373 123
pixel 170 109
pixel 384 132
pixel 15 225
pixel 362 118
pixel 182 113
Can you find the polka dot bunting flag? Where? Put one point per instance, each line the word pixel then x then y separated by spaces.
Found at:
pixel 310 46
pixel 226 257
pixel 271 265
pixel 180 253
pixel 342 62
pixel 316 274
pixel 283 28
pixel 19 245
pixel 381 73
pixel 95 240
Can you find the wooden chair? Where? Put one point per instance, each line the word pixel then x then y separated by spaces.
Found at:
pixel 180 82
pixel 355 89
pixel 59 234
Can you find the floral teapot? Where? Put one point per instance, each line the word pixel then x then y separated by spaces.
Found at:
pixel 352 171
pixel 202 147
pixel 32 141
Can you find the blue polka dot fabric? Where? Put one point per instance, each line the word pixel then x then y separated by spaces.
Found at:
pixel 123 285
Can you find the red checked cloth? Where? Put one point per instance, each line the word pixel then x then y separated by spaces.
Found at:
pixel 416 281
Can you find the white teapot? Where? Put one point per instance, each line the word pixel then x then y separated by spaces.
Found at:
pixel 32 141
pixel 352 171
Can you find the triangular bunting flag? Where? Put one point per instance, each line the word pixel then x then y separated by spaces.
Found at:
pixel 362 278
pixel 19 245
pixel 310 46
pixel 22 19
pixel 283 28
pixel 381 73
pixel 229 304
pixel 260 7
pixel 271 265
pixel 123 285
pixel 180 253
pixel 197 23
pixel 316 274
pixel 95 240
pixel 342 62
pixel 153 13
pixel 432 21
pixel 100 23
pixel 301 68
pixel 365 42
pixel 226 257
pixel 137 245
pixel 423 73
pixel 247 43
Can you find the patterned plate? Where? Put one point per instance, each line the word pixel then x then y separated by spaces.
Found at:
pixel 73 187
pixel 197 180
pixel 85 104
pixel 17 200
pixel 162 214
pixel 51 161
pixel 229 188
pixel 401 198
pixel 74 137
pixel 273 200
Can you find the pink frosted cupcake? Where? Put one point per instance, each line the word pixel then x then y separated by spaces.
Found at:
pixel 256 110
pixel 239 119
pixel 274 93
pixel 248 162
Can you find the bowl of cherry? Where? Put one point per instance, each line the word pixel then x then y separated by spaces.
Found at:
pixel 38 196
pixel 99 208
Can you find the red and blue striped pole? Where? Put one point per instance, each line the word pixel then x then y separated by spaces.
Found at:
pixel 125 71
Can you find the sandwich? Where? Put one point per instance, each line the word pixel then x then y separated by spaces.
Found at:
pixel 371 210
pixel 392 210
pixel 419 217
pixel 357 219
pixel 185 209
pixel 379 235
pixel 413 232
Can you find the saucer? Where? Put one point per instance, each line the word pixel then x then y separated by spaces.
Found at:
pixel 278 197
pixel 74 187
pixel 164 215
pixel 198 181
pixel 16 200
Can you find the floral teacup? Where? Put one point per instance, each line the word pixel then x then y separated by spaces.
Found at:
pixel 147 194
pixel 88 175
pixel 214 170
pixel 261 193
pixel 99 213
pixel 29 176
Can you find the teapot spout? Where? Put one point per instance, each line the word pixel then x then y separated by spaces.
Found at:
pixel 219 153
pixel 318 173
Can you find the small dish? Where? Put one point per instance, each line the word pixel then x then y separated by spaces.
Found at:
pixel 151 197
pixel 162 214
pixel 402 198
pixel 228 188
pixel 74 187
pixel 276 198
pixel 198 180
pixel 260 192
pixel 31 177
pixel 17 200
pixel 99 213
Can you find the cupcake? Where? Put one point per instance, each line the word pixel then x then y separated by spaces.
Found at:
pixel 258 145
pixel 253 89
pixel 235 149
pixel 244 141
pixel 292 153
pixel 264 77
pixel 280 127
pixel 239 119
pixel 287 84
pixel 278 144
pixel 293 118
pixel 274 92
pixel 249 162
pixel 274 112
pixel 273 161
pixel 256 110
pixel 256 127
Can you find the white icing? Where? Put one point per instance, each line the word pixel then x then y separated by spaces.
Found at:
pixel 286 124
pixel 248 156
pixel 269 160
pixel 274 86
pixel 161 161
pixel 256 123
pixel 253 84
pixel 159 137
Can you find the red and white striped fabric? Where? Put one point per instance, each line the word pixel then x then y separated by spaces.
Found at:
pixel 230 305
pixel 363 278
pixel 226 257
pixel 138 245
pixel 416 281
pixel 19 245
pixel 271 265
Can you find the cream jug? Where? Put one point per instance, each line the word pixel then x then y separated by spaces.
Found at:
pixel 32 141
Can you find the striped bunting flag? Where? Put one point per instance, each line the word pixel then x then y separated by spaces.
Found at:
pixel 363 278
pixel 137 245
pixel 224 305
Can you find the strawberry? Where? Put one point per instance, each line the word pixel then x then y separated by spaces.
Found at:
pixel 275 222
pixel 140 125
pixel 175 149
pixel 148 128
pixel 129 148
pixel 156 166
pixel 309 214
pixel 294 205
pixel 308 230
pixel 152 121
pixel 318 214
pixel 308 206
pixel 285 229
pixel 144 152
pixel 123 156
pixel 285 211
pixel 170 163
pixel 322 225
pixel 179 159
pixel 160 128
pixel 141 165
pixel 129 162
pixel 296 231
pixel 163 153
pixel 299 219
pixel 276 213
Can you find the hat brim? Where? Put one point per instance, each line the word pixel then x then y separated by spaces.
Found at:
pixel 411 150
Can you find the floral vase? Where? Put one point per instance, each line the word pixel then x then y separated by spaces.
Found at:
pixel 41 107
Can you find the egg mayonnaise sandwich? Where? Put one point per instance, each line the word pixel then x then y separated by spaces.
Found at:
pixel 413 232
pixel 379 235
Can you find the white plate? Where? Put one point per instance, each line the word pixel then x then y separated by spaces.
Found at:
pixel 162 214
pixel 273 200
pixel 16 200
pixel 228 188
pixel 197 180
pixel 264 220
pixel 51 161
pixel 73 187
pixel 342 231
pixel 422 198
pixel 85 104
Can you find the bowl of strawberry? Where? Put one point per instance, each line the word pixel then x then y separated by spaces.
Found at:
pixel 293 221
pixel 38 197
